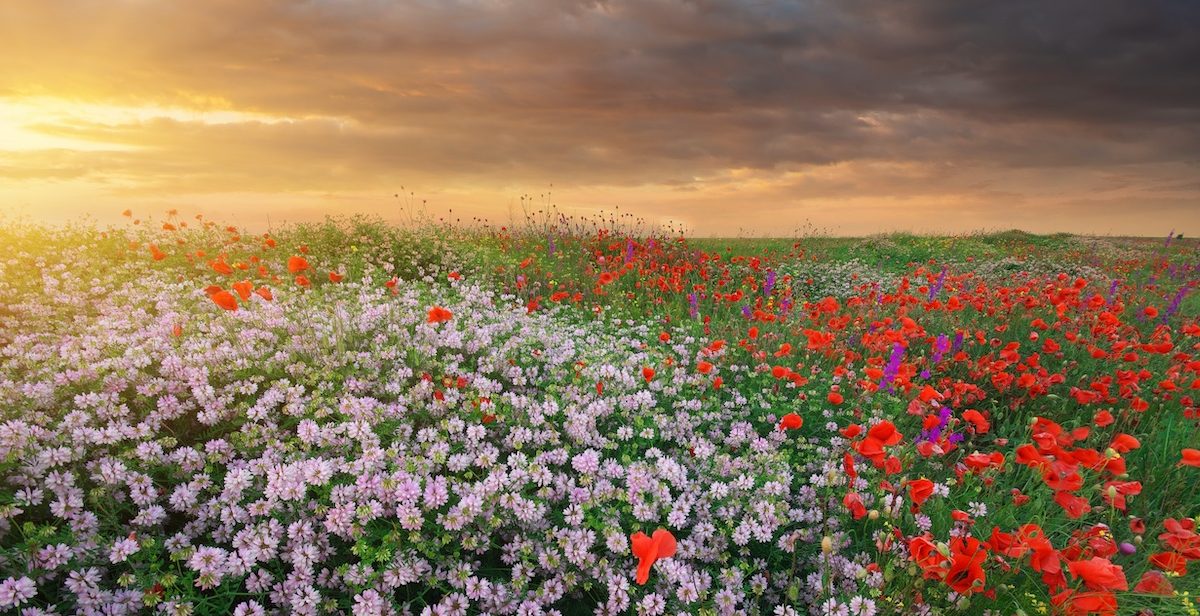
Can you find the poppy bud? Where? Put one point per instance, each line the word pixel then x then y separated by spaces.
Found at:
pixel 827 544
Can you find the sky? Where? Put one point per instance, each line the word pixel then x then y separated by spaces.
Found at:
pixel 730 117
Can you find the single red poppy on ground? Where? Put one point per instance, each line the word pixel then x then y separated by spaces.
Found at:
pixel 437 314
pixel 650 549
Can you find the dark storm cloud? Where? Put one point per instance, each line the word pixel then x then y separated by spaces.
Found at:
pixel 666 93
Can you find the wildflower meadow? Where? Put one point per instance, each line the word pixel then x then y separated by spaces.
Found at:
pixel 572 416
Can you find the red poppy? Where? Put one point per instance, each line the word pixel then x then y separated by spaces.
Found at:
pixel 966 574
pixel 649 549
pixel 1098 574
pixel 791 421
pixel 335 277
pixel 1123 443
pixel 919 490
pixel 854 504
pixel 1154 583
pixel 1190 457
pixel 225 300
pixel 1171 562
pixel 220 266
pixel 977 420
pixel 704 367
pixel 243 289
pixel 437 314
pixel 1075 506
pixel 835 398
pixel 297 264
pixel 648 373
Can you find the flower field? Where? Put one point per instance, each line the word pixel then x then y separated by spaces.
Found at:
pixel 587 417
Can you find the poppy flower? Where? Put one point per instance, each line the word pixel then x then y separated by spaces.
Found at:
pixel 648 373
pixel 437 314
pixel 157 254
pixel 966 574
pixel 977 420
pixel 1074 506
pixel 1103 419
pixel 296 264
pixel 919 490
pixel 1123 443
pixel 1098 574
pixel 704 367
pixel 1170 562
pixel 1154 583
pixel 791 421
pixel 854 505
pixel 303 281
pixel 650 549
pixel 220 266
pixel 225 300
pixel 243 289
pixel 1103 603
pixel 835 398
pixel 335 277
pixel 1190 457
pixel 264 293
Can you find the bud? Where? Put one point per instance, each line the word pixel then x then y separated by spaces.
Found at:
pixel 827 544
pixel 1111 453
pixel 873 514
pixel 1127 548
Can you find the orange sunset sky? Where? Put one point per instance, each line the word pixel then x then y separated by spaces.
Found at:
pixel 727 116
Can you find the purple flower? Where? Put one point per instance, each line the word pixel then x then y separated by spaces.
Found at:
pixel 893 366
pixel 937 285
pixel 769 283
pixel 1112 292
pixel 1175 303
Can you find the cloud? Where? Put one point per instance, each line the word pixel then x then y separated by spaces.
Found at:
pixel 658 102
